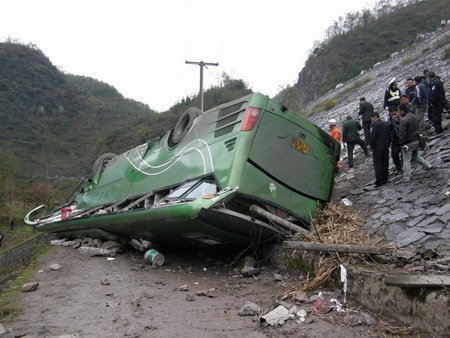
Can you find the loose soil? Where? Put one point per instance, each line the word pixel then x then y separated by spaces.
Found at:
pixel 139 301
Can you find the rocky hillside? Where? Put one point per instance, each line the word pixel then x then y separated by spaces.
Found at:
pixel 361 39
pixel 414 213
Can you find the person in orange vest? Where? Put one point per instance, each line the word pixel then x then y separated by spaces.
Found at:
pixel 334 131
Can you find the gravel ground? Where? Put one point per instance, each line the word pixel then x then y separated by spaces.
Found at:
pixel 138 301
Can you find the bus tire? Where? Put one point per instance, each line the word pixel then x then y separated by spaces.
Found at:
pixel 183 125
pixel 100 160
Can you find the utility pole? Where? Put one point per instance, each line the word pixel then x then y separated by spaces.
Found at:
pixel 201 64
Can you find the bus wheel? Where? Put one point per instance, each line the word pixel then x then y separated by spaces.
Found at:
pixel 101 161
pixel 183 125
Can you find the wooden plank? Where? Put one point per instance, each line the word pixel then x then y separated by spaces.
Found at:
pixel 297 245
pixel 430 281
pixel 278 220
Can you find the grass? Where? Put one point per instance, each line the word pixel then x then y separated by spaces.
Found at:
pixel 7 308
pixel 409 60
pixel 18 235
pixel 330 103
pixel 446 54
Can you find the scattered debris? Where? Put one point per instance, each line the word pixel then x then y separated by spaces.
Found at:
pixel 249 268
pixel 277 316
pixel 183 288
pixel 137 245
pixel 277 277
pixel 346 202
pixel 249 309
pixel 94 251
pixel 111 245
pixel 55 267
pixel 301 297
pixel 2 329
pixel 351 319
pixel 212 293
pixel 322 306
pixel 110 258
pixel 344 280
pixel 28 287
pixel 154 257
pixel 300 314
pixel 367 319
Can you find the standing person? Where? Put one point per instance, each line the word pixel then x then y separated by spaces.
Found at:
pixel 409 141
pixel 392 95
pixel 436 100
pixel 410 86
pixel 396 150
pixel 404 99
pixel 380 138
pixel 351 137
pixel 334 131
pixel 366 111
pixel 420 102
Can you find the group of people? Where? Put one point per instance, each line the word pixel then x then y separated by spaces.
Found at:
pixel 404 132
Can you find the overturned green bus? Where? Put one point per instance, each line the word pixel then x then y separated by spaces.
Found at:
pixel 207 180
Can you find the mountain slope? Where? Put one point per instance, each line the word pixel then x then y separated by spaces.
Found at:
pixel 360 41
pixel 52 120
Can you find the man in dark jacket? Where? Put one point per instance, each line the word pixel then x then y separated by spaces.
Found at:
pixel 351 137
pixel 365 110
pixel 396 150
pixel 380 138
pixel 392 95
pixel 408 134
pixel 410 86
pixel 436 100
pixel 420 101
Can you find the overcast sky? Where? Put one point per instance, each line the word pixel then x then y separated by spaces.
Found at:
pixel 140 47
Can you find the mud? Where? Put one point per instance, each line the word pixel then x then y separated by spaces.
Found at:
pixel 96 297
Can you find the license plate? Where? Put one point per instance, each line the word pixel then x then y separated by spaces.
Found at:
pixel 299 145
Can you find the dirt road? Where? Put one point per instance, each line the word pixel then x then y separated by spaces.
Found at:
pixel 141 302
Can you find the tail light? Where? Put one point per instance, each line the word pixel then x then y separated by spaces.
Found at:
pixel 250 119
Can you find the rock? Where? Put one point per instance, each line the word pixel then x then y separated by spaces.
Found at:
pixel 2 329
pixel 426 221
pixel 202 293
pixel 190 297
pixel 249 309
pixel 28 287
pixel 98 243
pixel 146 244
pixel 183 288
pixel 55 266
pixel 367 319
pixel 137 245
pixel 105 282
pixel 351 320
pixel 445 209
pixel 301 297
pixel 277 277
pixel 58 242
pixel 415 220
pixel 277 316
pixel 93 251
pixel 405 254
pixel 250 272
pixel 287 305
pixel 111 245
pixel 212 293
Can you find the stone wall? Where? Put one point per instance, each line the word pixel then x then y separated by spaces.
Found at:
pixel 19 256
